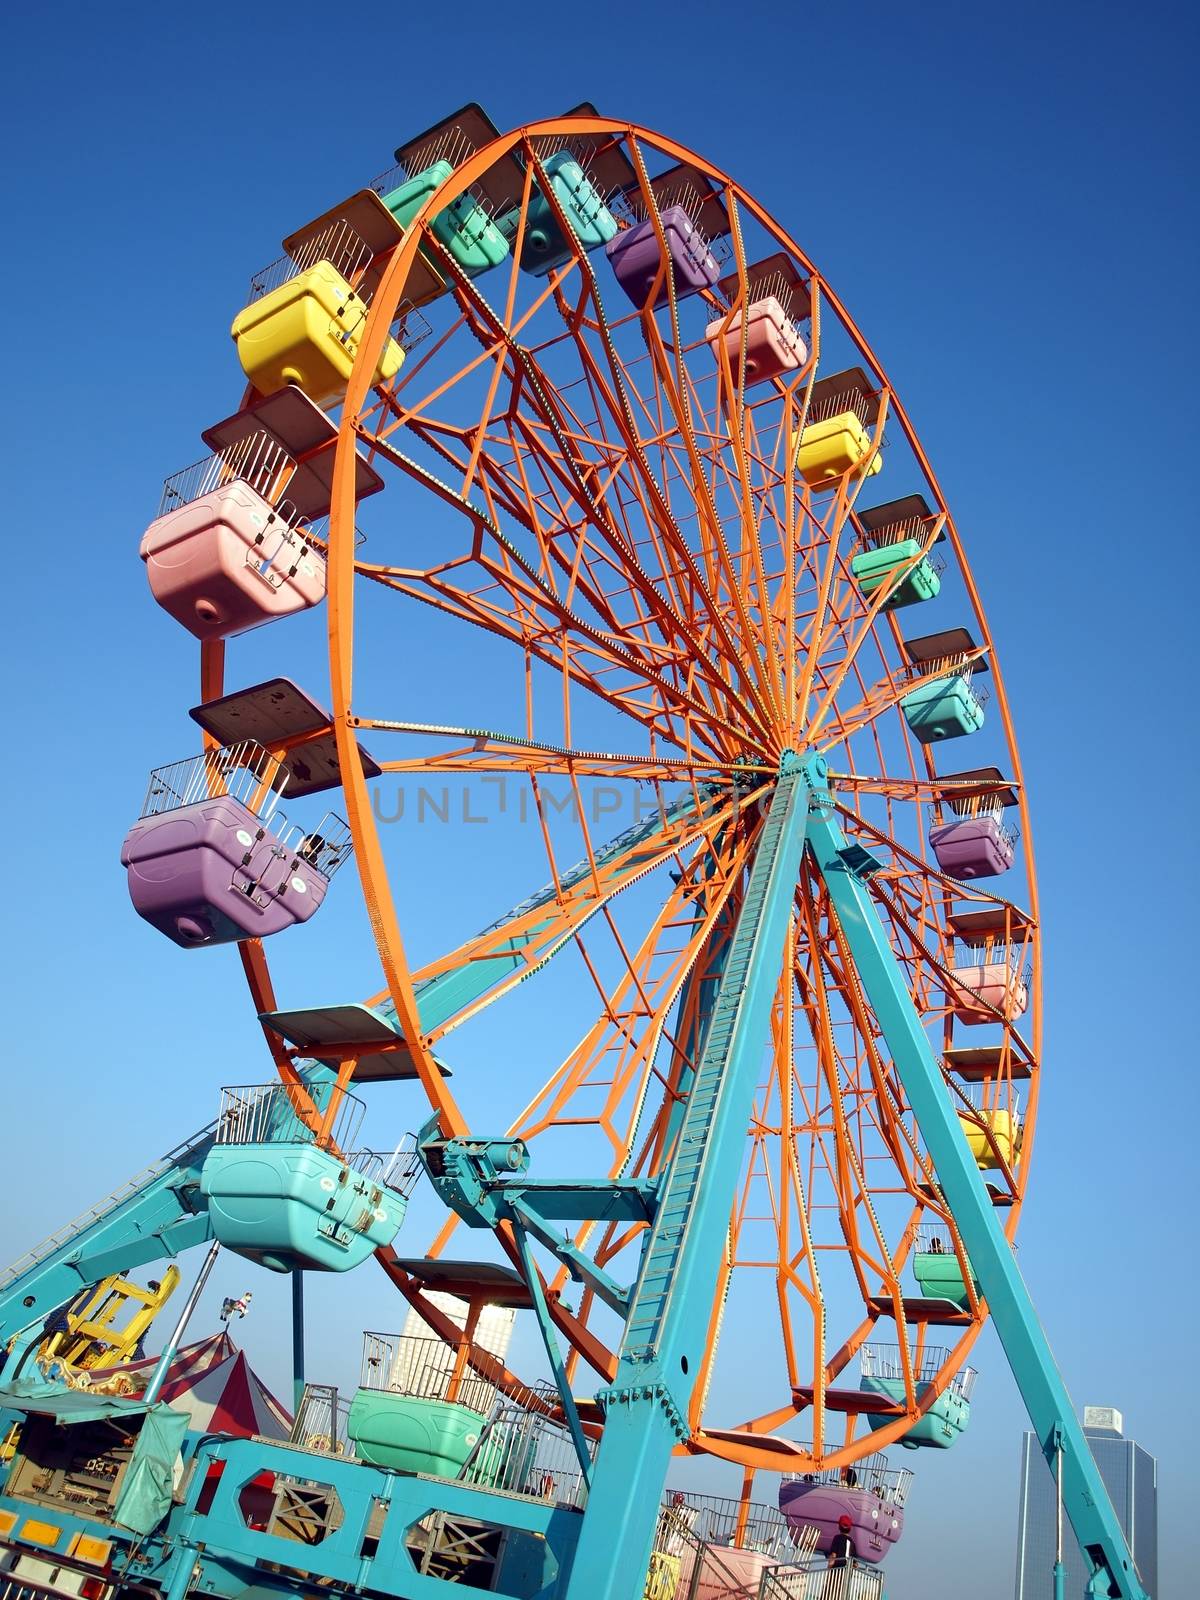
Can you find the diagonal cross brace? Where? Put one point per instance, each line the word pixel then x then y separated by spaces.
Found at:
pixel 577 1262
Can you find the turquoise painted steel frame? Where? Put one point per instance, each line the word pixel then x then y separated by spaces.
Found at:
pixel 163 1215
pixel 666 1327
pixel 1042 1389
pixel 222 1528
pixel 665 1336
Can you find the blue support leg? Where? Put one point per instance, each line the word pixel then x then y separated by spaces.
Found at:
pixel 1047 1401
pixel 297 1339
pixel 664 1343
pixel 578 1438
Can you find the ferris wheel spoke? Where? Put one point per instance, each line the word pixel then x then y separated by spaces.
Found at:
pixel 886 696
pixel 507 953
pixel 659 514
pixel 679 642
pixel 674 385
pixel 674 628
pixel 886 1107
pixel 592 652
pixel 490 752
pixel 635 1021
pixel 863 632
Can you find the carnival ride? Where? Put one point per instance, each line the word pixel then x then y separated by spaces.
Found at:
pixel 576 392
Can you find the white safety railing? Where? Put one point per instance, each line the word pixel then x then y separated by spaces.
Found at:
pixel 685 1565
pixel 410 327
pixel 244 771
pixel 398 1169
pixel 989 1095
pixel 874 1473
pixel 835 405
pixel 320 1421
pixel 883 1361
pixel 528 1453
pixel 912 527
pixel 17 1589
pixel 273 1113
pixel 451 145
pixel 338 244
pixel 934 1239
pixel 983 807
pixel 325 848
pixel 636 209
pixel 583 148
pixel 258 460
pixel 821 1580
pixel 425 1369
pixel 952 666
pixel 719 1520
pixel 1012 956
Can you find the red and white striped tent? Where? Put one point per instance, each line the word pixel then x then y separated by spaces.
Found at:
pixel 214 1383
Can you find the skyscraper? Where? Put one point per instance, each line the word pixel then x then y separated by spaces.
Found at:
pixel 1131 1477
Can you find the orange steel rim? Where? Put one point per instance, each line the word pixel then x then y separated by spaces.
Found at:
pixel 825 1126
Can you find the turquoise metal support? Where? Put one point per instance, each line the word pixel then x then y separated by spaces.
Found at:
pixel 665 1335
pixel 706 979
pixel 541 1533
pixel 297 1337
pixel 160 1213
pixel 156 1215
pixel 577 1262
pixel 538 1296
pixel 1047 1401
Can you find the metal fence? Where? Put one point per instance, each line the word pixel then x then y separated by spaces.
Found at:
pixel 15 1589
pixel 883 1361
pixel 1012 956
pixel 686 1566
pixel 426 1369
pixel 397 1169
pixel 874 1472
pixel 272 1113
pixel 881 538
pixel 257 460
pixel 528 1453
pixel 953 666
pixel 339 244
pixel 989 1095
pixel 452 145
pixel 320 1421
pixel 719 1520
pixel 326 847
pixel 244 771
pixel 836 405
pixel 817 1580
pixel 934 1238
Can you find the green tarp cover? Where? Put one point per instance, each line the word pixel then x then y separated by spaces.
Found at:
pixel 145 1494
pixel 68 1405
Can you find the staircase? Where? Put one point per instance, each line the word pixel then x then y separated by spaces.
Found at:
pixel 727 1025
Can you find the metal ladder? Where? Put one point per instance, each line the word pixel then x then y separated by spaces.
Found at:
pixel 652 1299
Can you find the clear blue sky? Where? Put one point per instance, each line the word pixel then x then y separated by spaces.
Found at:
pixel 1005 200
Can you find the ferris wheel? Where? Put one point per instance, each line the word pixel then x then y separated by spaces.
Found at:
pixel 579 399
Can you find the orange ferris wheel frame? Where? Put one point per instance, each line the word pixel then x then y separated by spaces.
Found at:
pixel 729 721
